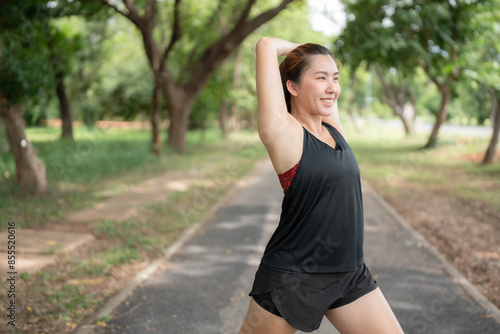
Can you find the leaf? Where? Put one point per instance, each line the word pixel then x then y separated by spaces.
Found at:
pixel 448 68
pixel 33 320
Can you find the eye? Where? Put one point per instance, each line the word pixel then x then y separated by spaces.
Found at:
pixel 322 78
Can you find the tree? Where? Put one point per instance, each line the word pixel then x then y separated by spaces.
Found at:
pixel 353 96
pixel 405 35
pixel 226 106
pixel 483 60
pixel 489 156
pixel 206 46
pixel 238 89
pixel 377 53
pixel 62 46
pixel 23 68
pixel 398 93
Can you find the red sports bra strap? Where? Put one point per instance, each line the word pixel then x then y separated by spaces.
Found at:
pixel 287 177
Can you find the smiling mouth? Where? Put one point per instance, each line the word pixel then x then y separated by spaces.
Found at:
pixel 327 100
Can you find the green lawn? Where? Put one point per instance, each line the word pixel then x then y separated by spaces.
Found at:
pixel 105 162
pixel 100 163
pixel 389 159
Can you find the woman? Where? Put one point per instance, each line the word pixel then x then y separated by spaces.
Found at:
pixel 313 264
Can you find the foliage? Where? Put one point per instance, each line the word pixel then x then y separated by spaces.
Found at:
pixel 207 107
pixel 24 58
pixel 125 86
pixel 86 90
pixel 407 34
pixel 244 96
pixel 109 76
pixel 38 40
pixel 441 37
pixel 472 104
pixel 483 52
pixel 65 40
pixel 205 22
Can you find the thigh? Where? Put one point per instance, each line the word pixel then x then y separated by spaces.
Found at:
pixel 260 321
pixel 368 314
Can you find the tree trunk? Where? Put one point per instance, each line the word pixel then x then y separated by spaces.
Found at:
pixel 156 146
pixel 62 97
pixel 64 107
pixel 413 103
pixel 354 120
pixel 441 115
pixel 489 156
pixel 224 106
pixel 4 142
pixel 398 111
pixel 30 171
pixel 350 107
pixel 223 117
pixel 252 117
pixel 406 123
pixel 394 96
pixel 179 119
pixel 236 85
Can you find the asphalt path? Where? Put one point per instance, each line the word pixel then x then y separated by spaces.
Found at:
pixel 452 129
pixel 204 287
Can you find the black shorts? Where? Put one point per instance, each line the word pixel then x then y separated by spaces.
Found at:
pixel 302 299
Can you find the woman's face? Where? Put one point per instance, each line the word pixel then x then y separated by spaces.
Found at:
pixel 319 88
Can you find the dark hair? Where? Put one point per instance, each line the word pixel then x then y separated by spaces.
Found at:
pixel 296 62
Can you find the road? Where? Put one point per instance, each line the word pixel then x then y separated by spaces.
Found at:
pixel 203 288
pixel 464 130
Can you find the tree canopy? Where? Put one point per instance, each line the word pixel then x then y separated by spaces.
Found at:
pixel 407 35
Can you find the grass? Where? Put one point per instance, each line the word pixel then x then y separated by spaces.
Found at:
pixel 388 160
pixel 59 297
pixel 98 164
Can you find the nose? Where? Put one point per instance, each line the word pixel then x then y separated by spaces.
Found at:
pixel 333 87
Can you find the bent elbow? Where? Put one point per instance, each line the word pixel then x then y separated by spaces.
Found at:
pixel 262 42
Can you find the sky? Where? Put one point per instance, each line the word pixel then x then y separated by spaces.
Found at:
pixel 327 16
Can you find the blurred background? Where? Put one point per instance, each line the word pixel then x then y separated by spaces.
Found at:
pixel 97 95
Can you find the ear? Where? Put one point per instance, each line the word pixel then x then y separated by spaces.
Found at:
pixel 292 88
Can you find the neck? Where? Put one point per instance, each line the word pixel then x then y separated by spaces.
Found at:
pixel 311 122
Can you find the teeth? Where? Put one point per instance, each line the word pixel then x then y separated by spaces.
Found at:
pixel 327 100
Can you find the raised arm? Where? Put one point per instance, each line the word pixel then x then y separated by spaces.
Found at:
pixel 270 95
pixel 280 132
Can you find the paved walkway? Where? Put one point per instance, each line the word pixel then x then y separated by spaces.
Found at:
pixel 203 287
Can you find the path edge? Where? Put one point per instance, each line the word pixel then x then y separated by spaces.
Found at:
pixel 457 278
pixel 122 294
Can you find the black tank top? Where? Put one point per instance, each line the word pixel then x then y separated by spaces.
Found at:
pixel 321 223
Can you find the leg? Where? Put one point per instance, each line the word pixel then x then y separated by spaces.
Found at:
pixel 368 314
pixel 260 321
